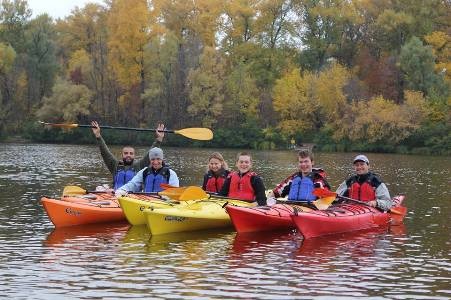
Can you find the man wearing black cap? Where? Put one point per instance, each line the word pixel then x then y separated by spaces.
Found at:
pixel 366 186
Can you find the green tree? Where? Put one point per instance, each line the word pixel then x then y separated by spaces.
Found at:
pixel 417 62
pixel 14 16
pixel 42 64
pixel 206 87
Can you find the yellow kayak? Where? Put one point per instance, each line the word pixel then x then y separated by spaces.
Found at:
pixel 133 206
pixel 197 215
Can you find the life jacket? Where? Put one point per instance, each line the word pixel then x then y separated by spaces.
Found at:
pixel 241 187
pixel 122 176
pixel 301 188
pixel 152 180
pixel 214 183
pixel 365 191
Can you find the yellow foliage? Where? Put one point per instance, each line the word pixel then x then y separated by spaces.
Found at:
pixel 441 47
pixel 80 60
pixel 129 24
pixel 7 57
pixel 292 99
pixel 383 120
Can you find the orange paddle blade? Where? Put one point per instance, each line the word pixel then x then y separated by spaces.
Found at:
pixel 322 193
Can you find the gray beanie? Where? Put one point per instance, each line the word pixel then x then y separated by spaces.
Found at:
pixel 155 153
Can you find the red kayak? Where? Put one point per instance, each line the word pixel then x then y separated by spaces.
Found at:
pixel 263 218
pixel 344 218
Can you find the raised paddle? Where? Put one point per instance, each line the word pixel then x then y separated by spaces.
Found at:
pixel 202 134
pixel 324 194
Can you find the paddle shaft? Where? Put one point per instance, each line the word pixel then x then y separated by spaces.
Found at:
pixel 214 195
pixel 126 128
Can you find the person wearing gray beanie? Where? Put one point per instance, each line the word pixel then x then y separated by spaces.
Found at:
pixel 150 178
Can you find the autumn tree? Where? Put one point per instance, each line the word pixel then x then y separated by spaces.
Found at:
pixel 206 87
pixel 67 103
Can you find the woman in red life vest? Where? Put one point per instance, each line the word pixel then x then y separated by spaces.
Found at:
pixel 365 186
pixel 244 184
pixel 217 172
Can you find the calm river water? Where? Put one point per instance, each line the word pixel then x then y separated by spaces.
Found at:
pixel 117 261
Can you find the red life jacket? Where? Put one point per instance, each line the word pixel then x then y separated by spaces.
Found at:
pixel 214 184
pixel 241 187
pixel 363 192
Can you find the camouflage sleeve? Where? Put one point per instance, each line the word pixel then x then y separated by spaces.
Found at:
pixel 108 158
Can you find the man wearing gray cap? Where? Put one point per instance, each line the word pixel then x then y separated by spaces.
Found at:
pixel 366 186
pixel 150 178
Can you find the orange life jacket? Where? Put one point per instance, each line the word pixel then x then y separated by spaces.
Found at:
pixel 241 187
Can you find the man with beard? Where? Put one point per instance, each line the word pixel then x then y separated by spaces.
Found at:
pixel 123 170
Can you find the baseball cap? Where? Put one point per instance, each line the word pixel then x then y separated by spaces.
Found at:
pixel 361 157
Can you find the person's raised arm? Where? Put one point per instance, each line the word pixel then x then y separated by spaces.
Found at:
pixel 108 158
pixel 159 135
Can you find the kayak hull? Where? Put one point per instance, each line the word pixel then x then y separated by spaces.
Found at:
pixel 70 213
pixel 134 205
pixel 263 218
pixel 198 215
pixel 341 218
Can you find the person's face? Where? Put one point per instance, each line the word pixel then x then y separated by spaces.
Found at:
pixel 214 165
pixel 305 165
pixel 128 155
pixel 361 168
pixel 244 163
pixel 156 163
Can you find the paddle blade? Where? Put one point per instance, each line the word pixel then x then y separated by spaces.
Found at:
pixel 321 193
pixel 173 192
pixel 73 190
pixel 399 210
pixel 202 134
pixel 60 125
pixel 193 193
pixel 324 203
pixel 165 186
pixel 397 214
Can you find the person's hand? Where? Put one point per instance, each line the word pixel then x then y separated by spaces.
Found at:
pixel 270 194
pixel 372 203
pixel 271 201
pixel 120 193
pixel 95 128
pixel 159 134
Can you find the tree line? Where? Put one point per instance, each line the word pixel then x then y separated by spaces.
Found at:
pixel 346 75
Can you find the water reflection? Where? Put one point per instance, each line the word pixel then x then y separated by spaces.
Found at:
pixel 68 235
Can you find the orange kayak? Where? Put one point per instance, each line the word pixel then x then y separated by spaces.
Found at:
pixel 72 211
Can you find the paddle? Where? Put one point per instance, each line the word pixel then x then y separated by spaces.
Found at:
pixel 324 194
pixel 199 191
pixel 202 134
pixel 173 193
